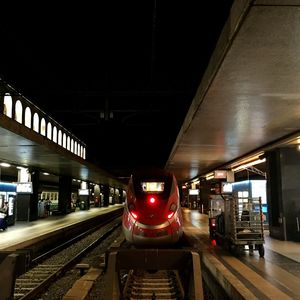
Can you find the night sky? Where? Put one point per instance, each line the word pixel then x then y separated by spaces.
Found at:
pixel 120 75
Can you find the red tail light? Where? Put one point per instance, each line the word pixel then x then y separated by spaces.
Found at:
pixel 152 200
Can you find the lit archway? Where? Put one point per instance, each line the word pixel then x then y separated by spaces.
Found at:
pixel 43 127
pixel 28 117
pixel 72 145
pixel 7 105
pixel 49 131
pixel 59 137
pixel 54 138
pixel 75 147
pixel 19 111
pixel 36 121
pixel 64 140
pixel 68 143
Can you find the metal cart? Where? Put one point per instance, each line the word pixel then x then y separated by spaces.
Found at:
pixel 240 227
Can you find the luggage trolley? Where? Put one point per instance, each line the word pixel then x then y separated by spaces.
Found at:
pixel 241 226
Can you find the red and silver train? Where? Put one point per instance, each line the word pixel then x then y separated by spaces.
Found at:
pixel 152 214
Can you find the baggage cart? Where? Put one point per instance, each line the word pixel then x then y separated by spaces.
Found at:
pixel 240 226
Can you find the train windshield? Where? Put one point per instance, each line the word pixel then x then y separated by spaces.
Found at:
pixel 150 187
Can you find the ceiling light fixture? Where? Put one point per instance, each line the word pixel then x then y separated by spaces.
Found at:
pixel 5 165
pixel 249 164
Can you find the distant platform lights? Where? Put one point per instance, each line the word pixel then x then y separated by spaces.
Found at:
pixel 42 124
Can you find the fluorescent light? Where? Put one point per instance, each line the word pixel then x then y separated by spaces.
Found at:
pixel 5 165
pixel 210 176
pixel 45 173
pixel 252 163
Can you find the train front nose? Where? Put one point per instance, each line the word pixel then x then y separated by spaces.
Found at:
pixel 148 235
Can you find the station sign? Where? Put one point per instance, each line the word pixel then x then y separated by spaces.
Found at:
pixel 220 174
pixel 24 188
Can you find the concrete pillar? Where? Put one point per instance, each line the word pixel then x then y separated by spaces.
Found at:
pixel 106 192
pixel 283 193
pixel 65 194
pixel 34 199
pixel 97 195
pixel 120 196
pixel 27 203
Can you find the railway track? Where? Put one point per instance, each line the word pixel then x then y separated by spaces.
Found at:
pixel 32 283
pixel 147 285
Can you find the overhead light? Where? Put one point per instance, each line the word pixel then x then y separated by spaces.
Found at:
pixel 210 176
pixel 247 160
pixel 252 163
pixel 20 168
pixel 45 173
pixel 5 165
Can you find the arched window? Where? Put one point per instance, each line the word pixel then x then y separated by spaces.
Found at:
pixel 7 105
pixel 72 145
pixel 19 111
pixel 28 117
pixel 59 137
pixel 75 147
pixel 54 138
pixel 36 121
pixel 49 131
pixel 83 153
pixel 64 140
pixel 68 143
pixel 78 149
pixel 43 127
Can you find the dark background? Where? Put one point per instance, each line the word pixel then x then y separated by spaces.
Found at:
pixel 120 75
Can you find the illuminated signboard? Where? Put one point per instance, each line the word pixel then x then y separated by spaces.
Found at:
pixel 24 187
pixel 194 192
pixel 220 174
pixel 226 187
pixel 153 186
pixel 83 192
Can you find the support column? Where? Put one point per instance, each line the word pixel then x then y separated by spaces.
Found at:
pixel 121 196
pixel 34 199
pixel 65 194
pixel 283 193
pixel 106 192
pixel 97 195
pixel 27 203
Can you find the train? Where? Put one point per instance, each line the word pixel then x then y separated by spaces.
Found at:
pixel 152 212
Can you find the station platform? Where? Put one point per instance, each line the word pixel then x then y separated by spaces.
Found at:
pixel 249 276
pixel 23 231
pixel 276 276
pixel 194 223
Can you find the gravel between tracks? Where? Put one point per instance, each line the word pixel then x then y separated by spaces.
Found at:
pixel 60 287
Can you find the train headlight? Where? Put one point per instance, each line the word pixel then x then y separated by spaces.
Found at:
pixel 172 210
pixel 131 208
pixel 134 214
pixel 170 214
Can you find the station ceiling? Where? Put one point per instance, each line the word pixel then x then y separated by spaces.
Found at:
pixel 158 79
pixel 249 98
